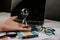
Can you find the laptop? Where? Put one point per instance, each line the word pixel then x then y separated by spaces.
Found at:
pixel 35 8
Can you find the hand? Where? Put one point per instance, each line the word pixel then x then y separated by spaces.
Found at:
pixel 10 25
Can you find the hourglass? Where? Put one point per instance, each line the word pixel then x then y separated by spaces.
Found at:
pixel 24 13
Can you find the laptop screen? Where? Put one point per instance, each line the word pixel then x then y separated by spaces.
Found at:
pixel 35 9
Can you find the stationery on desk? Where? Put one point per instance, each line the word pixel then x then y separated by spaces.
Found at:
pixel 18 35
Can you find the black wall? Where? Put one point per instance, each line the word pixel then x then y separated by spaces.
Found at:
pixel 5 5
pixel 52 10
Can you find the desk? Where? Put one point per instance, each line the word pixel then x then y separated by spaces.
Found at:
pixel 47 23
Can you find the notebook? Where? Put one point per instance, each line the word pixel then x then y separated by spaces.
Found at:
pixel 25 35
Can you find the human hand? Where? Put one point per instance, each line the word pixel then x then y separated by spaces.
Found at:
pixel 10 25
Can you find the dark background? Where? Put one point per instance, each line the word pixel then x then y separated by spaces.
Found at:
pixel 52 9
pixel 5 5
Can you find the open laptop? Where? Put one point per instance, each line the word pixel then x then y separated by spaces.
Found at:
pixel 36 11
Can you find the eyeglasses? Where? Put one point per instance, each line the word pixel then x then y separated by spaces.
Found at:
pixel 8 34
pixel 47 30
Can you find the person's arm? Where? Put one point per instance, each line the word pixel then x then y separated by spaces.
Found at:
pixel 10 25
pixel 0 30
pixel 1 27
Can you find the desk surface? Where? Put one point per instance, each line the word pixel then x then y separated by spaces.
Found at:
pixel 47 23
